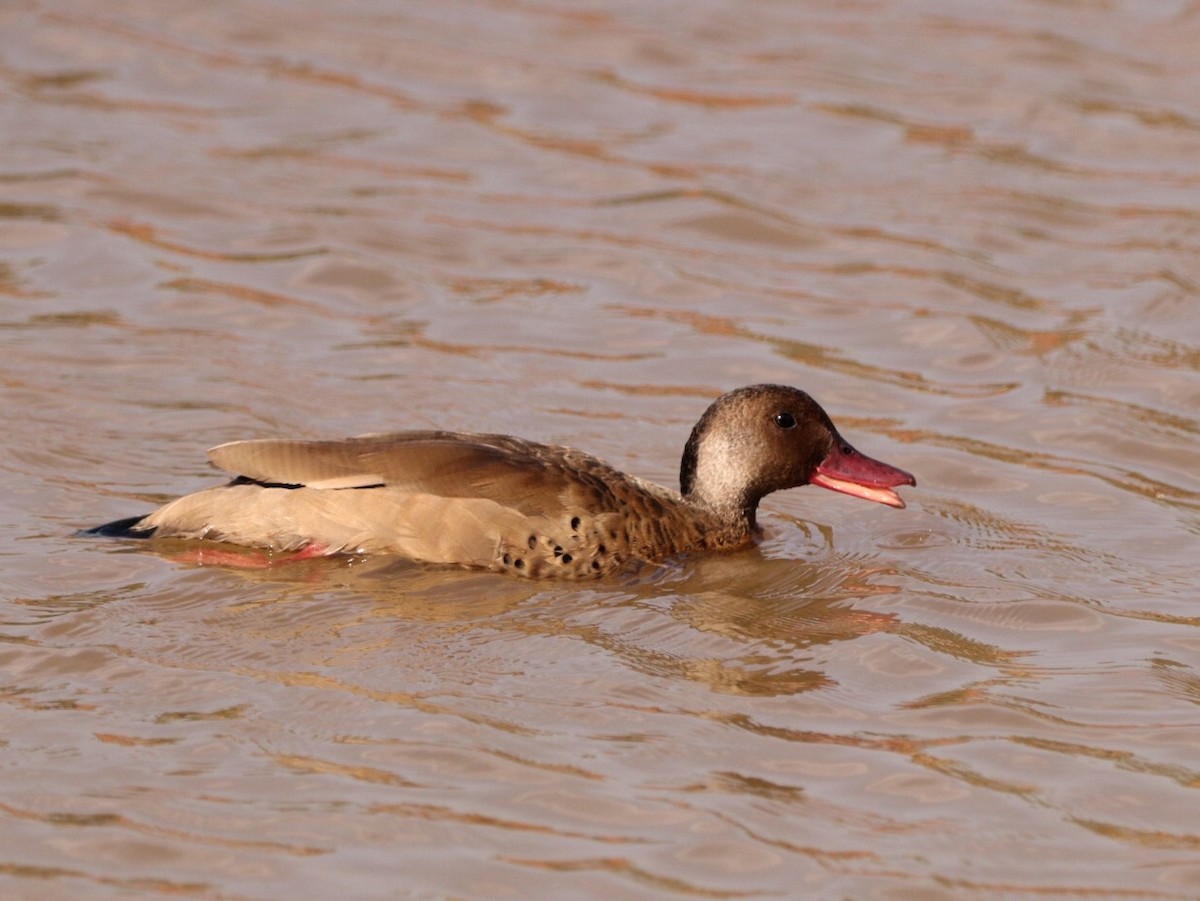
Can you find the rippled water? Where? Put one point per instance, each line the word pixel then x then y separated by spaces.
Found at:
pixel 969 229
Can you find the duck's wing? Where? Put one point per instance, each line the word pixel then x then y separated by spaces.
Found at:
pixel 526 476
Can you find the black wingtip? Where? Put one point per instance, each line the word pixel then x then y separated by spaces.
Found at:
pixel 120 528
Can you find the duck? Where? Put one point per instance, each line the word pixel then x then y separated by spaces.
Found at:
pixel 515 506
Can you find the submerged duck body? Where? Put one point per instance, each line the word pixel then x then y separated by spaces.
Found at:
pixel 512 505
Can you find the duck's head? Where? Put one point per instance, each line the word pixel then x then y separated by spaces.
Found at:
pixel 765 438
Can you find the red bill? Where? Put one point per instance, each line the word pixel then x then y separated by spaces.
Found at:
pixel 848 471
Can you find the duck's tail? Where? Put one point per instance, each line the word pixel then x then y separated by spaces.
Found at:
pixel 121 528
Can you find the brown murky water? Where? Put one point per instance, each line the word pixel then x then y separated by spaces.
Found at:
pixel 971 230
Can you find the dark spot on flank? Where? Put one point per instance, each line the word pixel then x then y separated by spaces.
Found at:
pixel 558 550
pixel 601 549
pixel 520 564
pixel 567 558
pixel 596 564
pixel 507 560
pixel 576 522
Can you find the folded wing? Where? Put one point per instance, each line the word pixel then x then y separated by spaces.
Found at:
pixel 525 476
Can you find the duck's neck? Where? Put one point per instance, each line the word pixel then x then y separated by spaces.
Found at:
pixel 738 515
pixel 719 527
pixel 732 508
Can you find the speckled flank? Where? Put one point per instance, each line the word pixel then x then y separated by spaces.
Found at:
pixel 572 552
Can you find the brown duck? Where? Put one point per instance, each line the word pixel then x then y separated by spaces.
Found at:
pixel 516 506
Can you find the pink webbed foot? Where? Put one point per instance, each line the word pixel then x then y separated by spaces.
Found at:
pixel 249 558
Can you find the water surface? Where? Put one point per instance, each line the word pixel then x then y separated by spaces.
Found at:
pixel 969 229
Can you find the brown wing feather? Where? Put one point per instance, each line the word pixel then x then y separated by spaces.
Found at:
pixel 523 475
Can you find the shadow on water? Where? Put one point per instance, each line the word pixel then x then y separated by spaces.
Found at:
pixel 742 623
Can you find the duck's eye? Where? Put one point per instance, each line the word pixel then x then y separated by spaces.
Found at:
pixel 785 420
